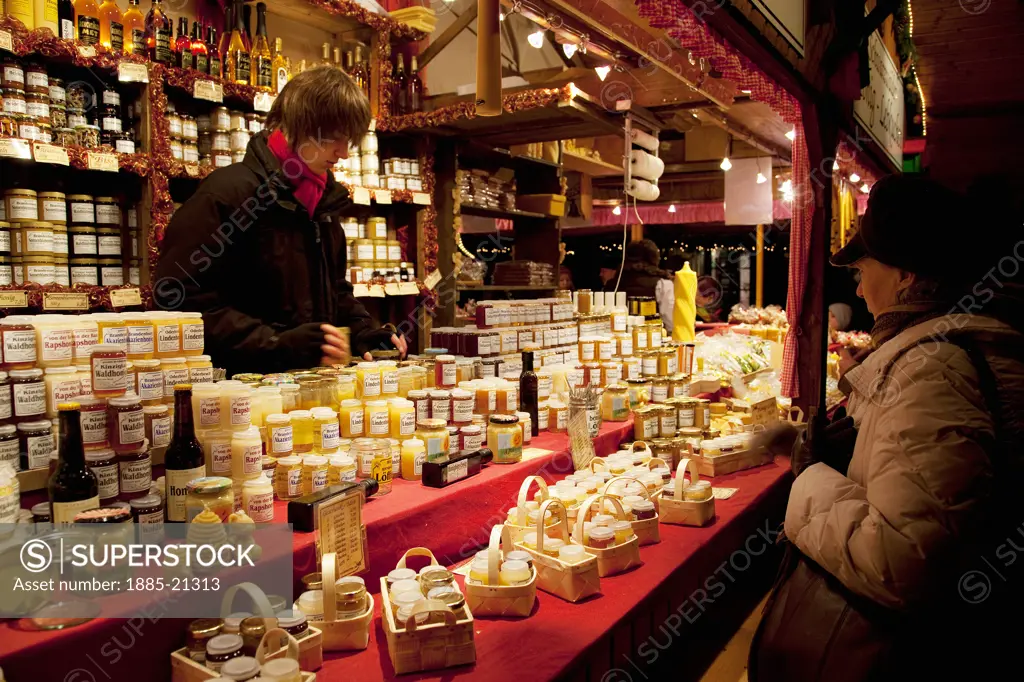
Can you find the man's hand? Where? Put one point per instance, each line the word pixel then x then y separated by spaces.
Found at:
pixel 400 344
pixel 335 347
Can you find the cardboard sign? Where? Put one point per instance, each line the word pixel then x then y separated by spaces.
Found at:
pixel 57 301
pixel 432 279
pixel 764 412
pixel 382 196
pixel 208 90
pixel 408 289
pixel 15 148
pixel 129 72
pixel 361 196
pixel 120 298
pixel 376 291
pixel 87 50
pixel 421 198
pixel 6 41
pixel 393 289
pixel 101 162
pixel 48 153
pixel 13 299
pixel 360 290
pixel 340 526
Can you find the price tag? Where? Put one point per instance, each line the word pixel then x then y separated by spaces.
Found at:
pixel 723 493
pixel 377 291
pixel 382 196
pixel 16 149
pixel 87 50
pixel 432 279
pixel 262 101
pixel 208 90
pixel 55 301
pixel 48 153
pixel 119 298
pixel 13 299
pixel 6 41
pixel 421 198
pixel 393 289
pixel 408 289
pixel 342 534
pixel 101 162
pixel 361 195
pixel 130 72
pixel 360 290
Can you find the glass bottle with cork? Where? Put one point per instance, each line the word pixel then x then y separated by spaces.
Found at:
pixel 134 29
pixel 66 19
pixel 262 71
pixel 183 46
pixel 111 26
pixel 158 34
pixel 200 54
pixel 212 50
pixel 87 21
pixel 184 459
pixel 236 62
pixel 415 88
pixel 73 487
pixel 529 390
pixel 280 67
pixel 401 97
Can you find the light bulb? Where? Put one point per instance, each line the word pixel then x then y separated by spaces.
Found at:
pixel 864 188
pixel 726 164
pixel 501 16
pixel 671 208
pixel 835 165
pixel 787 187
pixel 617 211
pixel 791 135
pixel 536 39
pixel 854 178
pixel 602 71
pixel 761 179
pixel 569 49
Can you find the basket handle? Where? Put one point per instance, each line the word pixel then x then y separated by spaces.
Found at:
pixel 632 448
pixel 500 537
pixel 626 477
pixel 276 636
pixel 598 460
pixel 254 591
pixel 417 551
pixel 329 574
pixel 525 488
pixel 651 464
pixel 799 415
pixel 686 464
pixel 588 507
pixel 563 522
pixel 430 606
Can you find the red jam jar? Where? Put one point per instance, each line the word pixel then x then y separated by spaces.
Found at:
pixel 109 370
pixel 93 415
pixel 126 423
pixel 445 372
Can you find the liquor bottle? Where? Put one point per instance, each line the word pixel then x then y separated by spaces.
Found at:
pixel 87 21
pixel 529 388
pixel 225 37
pixel 236 62
pixel 280 66
pixel 111 26
pixel 45 15
pixel 401 91
pixel 199 52
pixel 134 28
pixel 302 66
pixel 159 31
pixel 183 461
pixel 416 91
pixel 66 19
pixel 325 54
pixel 211 48
pixel 362 74
pixel 183 46
pixel 444 472
pixel 73 487
pixel 262 61
pixel 350 64
pixel 336 62
pixel 246 24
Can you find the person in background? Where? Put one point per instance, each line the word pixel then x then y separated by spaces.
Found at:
pixel 259 248
pixel 641 276
pixel 839 317
pixel 608 272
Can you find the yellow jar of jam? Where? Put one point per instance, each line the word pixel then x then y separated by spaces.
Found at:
pixel 505 438
pixel 388 378
pixel 302 431
pixel 434 434
pixel 351 418
pixel 340 469
pixel 288 477
pixel 314 473
pixel 402 418
pixel 376 419
pixel 646 422
pixel 615 403
pixel 558 416
pixel 367 380
pixel 326 430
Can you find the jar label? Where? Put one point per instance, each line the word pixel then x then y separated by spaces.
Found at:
pixel 161 436
pixel 252 459
pixel 561 419
pixel 124 146
pixel 641 340
pixel 106 478
pixel 38 109
pixel 220 458
pixel 483 345
pixel 176 481
pixel 9 453
pixel 472 443
pixel 111 123
pixel 379 423
pixel 509 341
pixel 282 439
pixel 86 275
pixel 364 252
pixel 381 468
pixel 463 411
pixel 39 449
pixel 650 366
pixel 109 246
pixel 511 399
pixel 131 426
pixel 510 447
pixel 56 344
pixel 673 364
pixel 586 351
pixel 371 384
pixel 441 408
pixel 389 382
pixel 492 400
pixel 659 393
pixel 5 242
pixel 192 337
pixel 41 274
pixel 422 409
pixel 618 322
pixel 406 423
pixel 15 106
pixel 29 399
pixel 84 245
pixel 525 338
pixel 167 338
pixel 65 512
pixel 241 410
pixel 355 422
pixel 330 435
pixel 173 377
pixel 151 387
pixel 649 428
pixel 136 475
pixel 655 338
pixel 108 374
pixel 625 346
pixel 457 471
pixel 60 247
pixel 564 336
pixel 605 349
pixel 64 390
pixel 140 338
pixel 116 336
pixel 260 506
pixel 449 374
pixel 593 421
pixel 542 420
pixel 550 337
pixel 668 425
pixel 94 426
pixel 14 74
pixel 319 480
pixel 295 482
pixel 83 212
pixel 685 416
pixel 436 447
pixel 394 253
pixel 5 402
pixel 20 208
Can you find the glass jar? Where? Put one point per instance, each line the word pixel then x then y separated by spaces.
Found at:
pixel 35 444
pixel 558 416
pixel 505 439
pixel 93 415
pixel 158 426
pixel 302 430
pixel 258 498
pixel 326 430
pixel 441 405
pixel 288 477
pixel 28 394
pixel 340 469
pixel 402 418
pixel 213 493
pixel 62 385
pixel 246 454
pixel 639 392
pixel 235 398
pixel 103 464
pixel 126 424
pixel 434 434
pixel 615 403
pixel 200 369
pixel 659 389
pixel 376 419
pixel 373 459
pixel 445 373
pixel 222 648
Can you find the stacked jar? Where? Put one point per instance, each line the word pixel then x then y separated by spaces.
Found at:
pixel 214 140
pixel 32 257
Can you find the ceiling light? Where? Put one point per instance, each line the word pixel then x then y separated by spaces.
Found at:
pixel 791 135
pixel 854 178
pixel 536 39
pixel 864 188
pixel 726 164
pixel 501 16
pixel 617 211
pixel 761 179
pixel 602 71
pixel 569 49
pixel 835 165
pixel 671 208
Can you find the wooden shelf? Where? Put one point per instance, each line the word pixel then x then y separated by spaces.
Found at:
pixel 589 166
pixel 469 209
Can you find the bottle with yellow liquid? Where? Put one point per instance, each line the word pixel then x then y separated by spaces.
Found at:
pixel 262 72
pixel 237 64
pixel 133 27
pixel 111 26
pixel 280 67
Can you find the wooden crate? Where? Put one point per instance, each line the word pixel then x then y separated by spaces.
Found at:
pixel 732 462
pixel 681 512
pixel 184 669
pixel 350 634
pixel 647 530
pixel 617 558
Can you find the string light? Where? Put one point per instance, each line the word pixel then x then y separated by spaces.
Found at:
pixel 791 135
pixel 501 16
pixel 671 208
pixel 536 39
pixel 854 178
pixel 835 165
pixel 569 49
pixel 602 71
pixel 726 164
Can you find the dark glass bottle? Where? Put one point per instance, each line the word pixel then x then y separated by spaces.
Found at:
pixel 214 55
pixel 225 37
pixel 73 487
pixel 262 62
pixel 529 390
pixel 246 24
pixel 183 461
pixel 401 98
pixel 415 91
pixel 444 472
pixel 199 52
pixel 183 46
pixel 159 32
pixel 66 19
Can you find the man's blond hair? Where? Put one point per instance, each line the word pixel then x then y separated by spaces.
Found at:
pixel 320 103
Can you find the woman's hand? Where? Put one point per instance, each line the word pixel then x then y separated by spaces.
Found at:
pixel 335 346
pixel 399 343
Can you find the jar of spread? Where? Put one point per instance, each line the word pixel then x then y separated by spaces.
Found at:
pixel 6 411
pixel 21 204
pixel 6 271
pixel 445 374
pixel 14 102
pixel 221 649
pixel 103 463
pixel 38 107
pixel 505 438
pixel 147 510
pixel 34 238
pixel 59 123
pixel 88 136
pixel 13 72
pixel 314 473
pixel 126 424
pixel 108 214
pixel 60 244
pixel 35 443
pixel 124 143
pixel 84 271
pixel 109 370
pixel 93 416
pixel 5 238
pixel 28 394
pixel 62 385
pixel 434 434
pixel 158 425
pixel 9 446
pixel 111 272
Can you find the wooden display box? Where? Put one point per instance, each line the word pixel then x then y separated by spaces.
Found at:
pixel 681 512
pixel 732 462
pixel 184 669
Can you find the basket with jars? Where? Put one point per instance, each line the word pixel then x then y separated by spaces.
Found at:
pixel 502 582
pixel 609 537
pixel 521 519
pixel 687 502
pixel 348 610
pixel 565 568
pixel 642 511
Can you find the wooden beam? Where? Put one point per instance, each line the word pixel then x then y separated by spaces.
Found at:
pixel 741 132
pixel 443 40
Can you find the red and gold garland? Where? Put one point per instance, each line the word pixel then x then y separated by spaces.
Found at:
pixel 99 296
pixel 519 101
pixel 186 80
pixel 42 41
pixel 378 22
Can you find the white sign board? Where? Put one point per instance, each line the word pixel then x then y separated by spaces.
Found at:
pixel 880 107
pixel 746 201
pixel 788 17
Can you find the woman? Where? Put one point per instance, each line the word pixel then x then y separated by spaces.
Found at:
pixel 886 533
pixel 259 249
pixel 839 317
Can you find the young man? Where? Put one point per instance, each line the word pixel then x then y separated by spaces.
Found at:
pixel 259 249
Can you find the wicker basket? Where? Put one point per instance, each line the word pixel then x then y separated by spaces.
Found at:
pixel 514 601
pixel 433 645
pixel 521 526
pixel 617 558
pixel 647 530
pixel 310 647
pixel 348 634
pixel 680 512
pixel 571 582
pixel 184 669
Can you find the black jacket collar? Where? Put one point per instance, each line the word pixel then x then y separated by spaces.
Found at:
pixel 261 161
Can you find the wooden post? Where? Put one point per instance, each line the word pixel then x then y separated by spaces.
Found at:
pixel 488 59
pixel 759 287
pixel 636 233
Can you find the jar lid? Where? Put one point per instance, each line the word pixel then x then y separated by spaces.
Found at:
pixel 36 426
pixel 504 419
pixel 155 409
pixel 26 373
pixel 99 455
pixel 313 461
pixel 342 461
pixel 7 429
pixel 61 370
pixel 601 533
pixel 208 485
pixel 418 394
pixel 429 424
pixel 148 502
pixel 126 401
pixel 256 482
pixel 440 394
pixel 471 430
pixel 223 644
